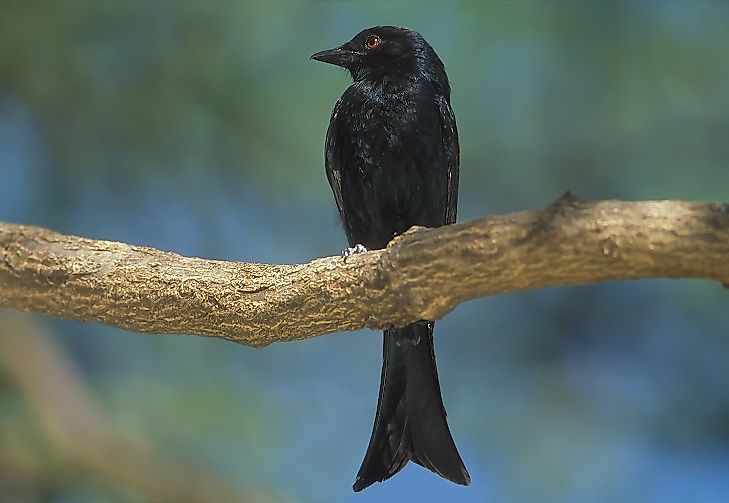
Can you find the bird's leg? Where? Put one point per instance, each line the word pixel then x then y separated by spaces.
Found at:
pixel 358 248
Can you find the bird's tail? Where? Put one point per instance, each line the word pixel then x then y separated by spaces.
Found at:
pixel 411 420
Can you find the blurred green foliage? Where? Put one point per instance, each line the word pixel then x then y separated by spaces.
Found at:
pixel 198 126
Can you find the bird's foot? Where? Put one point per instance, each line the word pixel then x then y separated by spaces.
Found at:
pixel 358 248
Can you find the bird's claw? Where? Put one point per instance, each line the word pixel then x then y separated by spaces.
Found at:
pixel 358 248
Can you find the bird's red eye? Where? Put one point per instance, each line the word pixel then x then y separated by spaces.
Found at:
pixel 373 41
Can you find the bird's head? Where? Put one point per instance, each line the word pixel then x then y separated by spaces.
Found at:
pixel 381 51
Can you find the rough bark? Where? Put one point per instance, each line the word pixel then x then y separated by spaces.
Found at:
pixel 423 274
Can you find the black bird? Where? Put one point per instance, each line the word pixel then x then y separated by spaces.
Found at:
pixel 392 162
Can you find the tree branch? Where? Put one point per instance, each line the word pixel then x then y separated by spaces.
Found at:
pixel 423 274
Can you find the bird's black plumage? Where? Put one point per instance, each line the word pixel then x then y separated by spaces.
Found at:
pixel 392 162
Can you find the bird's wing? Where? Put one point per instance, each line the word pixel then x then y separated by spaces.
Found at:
pixel 333 169
pixel 449 133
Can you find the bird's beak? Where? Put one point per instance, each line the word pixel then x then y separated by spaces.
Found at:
pixel 340 56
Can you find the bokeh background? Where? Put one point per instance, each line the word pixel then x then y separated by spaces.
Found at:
pixel 198 127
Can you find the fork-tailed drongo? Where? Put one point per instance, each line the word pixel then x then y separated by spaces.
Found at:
pixel 392 162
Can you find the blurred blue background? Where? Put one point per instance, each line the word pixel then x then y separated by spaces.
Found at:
pixel 198 127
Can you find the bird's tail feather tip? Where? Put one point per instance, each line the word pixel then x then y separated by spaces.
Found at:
pixel 464 479
pixel 457 474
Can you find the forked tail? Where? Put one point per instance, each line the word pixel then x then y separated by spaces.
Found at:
pixel 411 420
